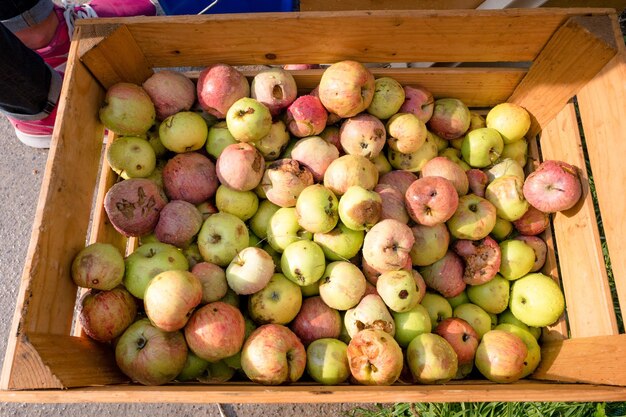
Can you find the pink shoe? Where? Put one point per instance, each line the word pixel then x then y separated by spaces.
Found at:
pixel 35 133
pixel 55 54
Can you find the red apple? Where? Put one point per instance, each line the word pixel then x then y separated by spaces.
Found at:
pixel 478 181
pixel 316 320
pixel 104 315
pixel 481 257
pixel 419 101
pixel 446 275
pixel 443 167
pixel 240 166
pixel 532 222
pixel 463 339
pixel 500 356
pixel 553 186
pixel 387 245
pixel 273 355
pixel 431 200
pixel 375 358
pixel 362 135
pixel 306 116
pixel 219 86
pixel 398 179
pixel 540 248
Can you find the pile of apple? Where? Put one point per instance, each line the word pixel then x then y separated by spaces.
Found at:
pixel 362 232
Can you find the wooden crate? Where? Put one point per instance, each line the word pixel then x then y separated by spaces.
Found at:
pixel 571 54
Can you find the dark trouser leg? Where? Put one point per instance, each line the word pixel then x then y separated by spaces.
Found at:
pixel 25 79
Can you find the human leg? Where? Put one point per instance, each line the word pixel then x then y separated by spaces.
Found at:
pixel 29 90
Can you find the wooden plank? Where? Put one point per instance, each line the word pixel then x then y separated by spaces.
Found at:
pixel 55 361
pixel 335 5
pixel 47 295
pixel 574 55
pixel 619 5
pixel 117 58
pixel 558 330
pixel 250 393
pixel 565 360
pixel 584 279
pixel 368 36
pixel 601 104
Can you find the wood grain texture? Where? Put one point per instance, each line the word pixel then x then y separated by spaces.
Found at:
pixel 601 104
pixel 28 371
pixel 47 294
pixel 335 5
pixel 117 58
pixel 558 330
pixel 471 391
pixel 565 360
pixel 584 279
pixel 574 55
pixel 367 36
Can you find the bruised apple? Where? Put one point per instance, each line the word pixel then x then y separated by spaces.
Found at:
pixel 375 358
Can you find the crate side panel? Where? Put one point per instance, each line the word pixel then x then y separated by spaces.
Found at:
pixel 601 104
pixel 367 36
pixel 335 5
pixel 47 295
pixel 574 55
pixel 117 58
pixel 584 279
pixel 594 360
pixel 235 393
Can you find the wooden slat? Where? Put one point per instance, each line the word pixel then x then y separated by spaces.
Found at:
pixel 619 5
pixel 249 393
pixel 601 104
pixel 574 55
pixel 565 360
pixel 117 58
pixel 476 87
pixel 367 36
pixel 55 361
pixel 335 5
pixel 46 298
pixel 585 283
pixel 558 330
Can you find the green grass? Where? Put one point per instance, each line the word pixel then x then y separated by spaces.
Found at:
pixel 493 409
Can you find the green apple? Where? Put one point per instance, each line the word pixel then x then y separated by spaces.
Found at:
pixel 437 306
pixel 398 290
pixel 441 142
pixel 303 262
pixel 316 208
pixel 272 144
pixel 454 155
pixel 517 151
pixel 311 290
pixel 511 120
pixel 492 296
pixel 341 243
pixel 477 317
pixel 242 204
pixel 127 110
pixel 370 313
pixel 250 271
pixel 131 157
pixel 342 286
pixel 382 164
pixel 474 218
pixel 284 229
pixel 218 138
pixel 506 317
pixel 432 359
pixel 502 229
pixel 253 240
pixel 278 302
pixel 231 298
pixel 462 298
pixel 216 372
pixel 221 238
pixel 194 367
pixel 506 194
pixel 516 260
pixel 482 147
pixel 388 98
pixel 149 260
pixel 327 361
pixel 505 166
pixel 537 300
pixel 411 323
pixel 248 120
pixel 184 131
pixel 431 243
pixel 413 161
pixel 534 351
pixel 360 209
pixel 259 221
